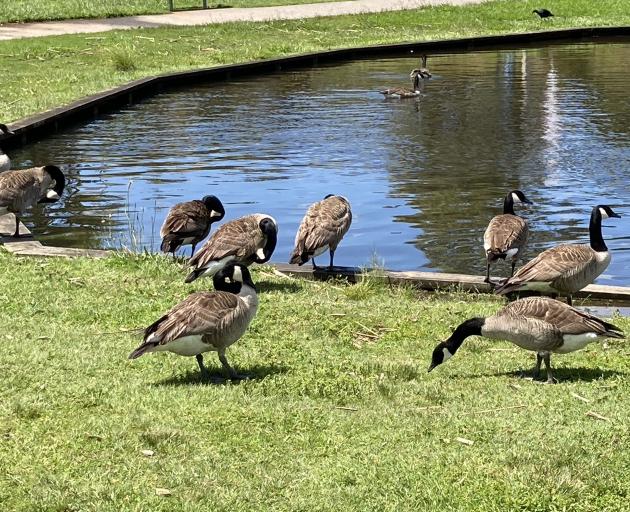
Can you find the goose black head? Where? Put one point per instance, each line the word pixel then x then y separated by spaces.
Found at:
pixel 232 278
pixel 217 212
pixel 54 194
pixel 5 129
pixel 519 197
pixel 446 349
pixel 606 211
pixel 269 228
pixel 514 196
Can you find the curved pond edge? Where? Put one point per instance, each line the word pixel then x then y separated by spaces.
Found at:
pixel 40 125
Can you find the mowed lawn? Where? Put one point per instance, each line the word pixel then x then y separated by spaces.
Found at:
pixel 45 10
pixel 340 415
pixel 43 73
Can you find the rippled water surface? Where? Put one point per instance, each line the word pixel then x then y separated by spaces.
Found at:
pixel 424 176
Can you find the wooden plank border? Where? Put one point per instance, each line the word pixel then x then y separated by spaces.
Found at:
pixel 41 125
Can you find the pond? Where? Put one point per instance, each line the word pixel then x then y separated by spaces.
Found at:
pixel 424 176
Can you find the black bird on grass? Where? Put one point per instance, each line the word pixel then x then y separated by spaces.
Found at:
pixel 543 13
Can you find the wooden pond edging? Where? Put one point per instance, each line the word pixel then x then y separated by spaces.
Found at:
pixel 43 124
pixel 432 281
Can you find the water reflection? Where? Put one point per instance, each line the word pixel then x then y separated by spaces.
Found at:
pixel 424 175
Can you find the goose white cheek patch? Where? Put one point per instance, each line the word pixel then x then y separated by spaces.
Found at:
pixel 603 213
pixel 515 198
pixel 238 275
pixel 447 354
pixel 51 194
pixel 260 253
pixel 214 214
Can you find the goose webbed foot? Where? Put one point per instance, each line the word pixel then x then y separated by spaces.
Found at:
pixel 547 359
pixel 232 374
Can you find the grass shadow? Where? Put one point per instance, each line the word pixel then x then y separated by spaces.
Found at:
pixel 217 376
pixel 579 374
pixel 283 286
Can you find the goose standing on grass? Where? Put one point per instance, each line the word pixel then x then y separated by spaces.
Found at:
pixel 543 13
pixel 506 234
pixel 322 228
pixel 567 268
pixel 206 321
pixel 540 324
pixel 189 223
pixel 404 92
pixel 5 162
pixel 247 240
pixel 21 189
pixel 424 70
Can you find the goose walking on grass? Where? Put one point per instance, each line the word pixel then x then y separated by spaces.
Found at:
pixel 506 234
pixel 247 240
pixel 206 321
pixel 540 324
pixel 189 223
pixel 21 189
pixel 5 162
pixel 322 228
pixel 567 268
pixel 404 92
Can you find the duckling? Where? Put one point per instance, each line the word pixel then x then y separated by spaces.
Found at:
pixel 206 321
pixel 21 189
pixel 404 92
pixel 567 268
pixel 324 225
pixel 539 324
pixel 189 223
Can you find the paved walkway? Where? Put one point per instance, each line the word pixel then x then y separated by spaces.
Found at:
pixel 209 16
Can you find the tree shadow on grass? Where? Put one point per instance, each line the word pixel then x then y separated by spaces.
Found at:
pixel 218 378
pixel 576 374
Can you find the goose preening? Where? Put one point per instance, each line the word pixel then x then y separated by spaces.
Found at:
pixel 188 223
pixel 322 228
pixel 206 321
pixel 567 268
pixel 424 70
pixel 540 324
pixel 506 235
pixel 23 188
pixel 247 240
pixel 404 92
pixel 543 13
pixel 5 162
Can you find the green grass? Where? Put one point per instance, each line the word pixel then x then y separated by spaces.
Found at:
pixel 47 72
pixel 41 10
pixel 341 414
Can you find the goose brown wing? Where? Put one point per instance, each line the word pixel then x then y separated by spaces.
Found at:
pixel 189 218
pixel 566 319
pixel 505 232
pixel 325 223
pixel 240 238
pixel 16 186
pixel 199 313
pixel 562 261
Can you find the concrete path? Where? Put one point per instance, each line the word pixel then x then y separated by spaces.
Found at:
pixel 210 16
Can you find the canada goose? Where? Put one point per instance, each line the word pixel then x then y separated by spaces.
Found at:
pixel 189 223
pixel 206 321
pixel 23 188
pixel 543 13
pixel 424 71
pixel 5 162
pixel 404 92
pixel 566 268
pixel 540 324
pixel 247 240
pixel 506 235
pixel 323 227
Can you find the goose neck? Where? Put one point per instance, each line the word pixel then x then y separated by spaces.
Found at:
pixel 595 231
